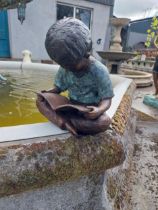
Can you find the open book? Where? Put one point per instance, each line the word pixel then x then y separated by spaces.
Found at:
pixel 62 104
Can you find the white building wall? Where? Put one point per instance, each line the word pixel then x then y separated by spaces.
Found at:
pixel 40 15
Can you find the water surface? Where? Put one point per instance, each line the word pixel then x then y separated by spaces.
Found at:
pixel 17 99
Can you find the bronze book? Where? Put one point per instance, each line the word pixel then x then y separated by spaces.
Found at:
pixel 60 103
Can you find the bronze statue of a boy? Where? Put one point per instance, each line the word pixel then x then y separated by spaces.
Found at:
pixel 68 42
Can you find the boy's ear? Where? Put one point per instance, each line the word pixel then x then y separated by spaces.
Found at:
pixel 87 55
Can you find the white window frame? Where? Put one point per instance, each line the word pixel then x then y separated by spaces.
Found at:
pixel 74 10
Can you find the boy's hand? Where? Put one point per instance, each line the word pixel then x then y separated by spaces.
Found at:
pixel 54 90
pixel 44 91
pixel 94 112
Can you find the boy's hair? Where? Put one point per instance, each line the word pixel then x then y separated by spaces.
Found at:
pixel 68 41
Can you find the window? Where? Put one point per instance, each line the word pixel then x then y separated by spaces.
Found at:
pixel 64 11
pixel 84 15
pixel 80 13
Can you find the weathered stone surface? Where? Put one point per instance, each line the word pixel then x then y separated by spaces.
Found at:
pixel 107 191
pixel 144 179
pixel 117 180
pixel 84 193
pixel 151 100
pixel 25 167
pixel 96 192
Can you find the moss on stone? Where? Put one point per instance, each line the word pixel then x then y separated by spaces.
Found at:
pixel 112 188
pixel 122 114
pixel 72 159
pixel 3 153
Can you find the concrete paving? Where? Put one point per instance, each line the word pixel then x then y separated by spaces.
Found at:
pixel 144 177
pixel 144 183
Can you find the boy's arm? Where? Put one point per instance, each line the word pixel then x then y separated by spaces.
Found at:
pixel 104 105
pixel 60 82
pixel 96 111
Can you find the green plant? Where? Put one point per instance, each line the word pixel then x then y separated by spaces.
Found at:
pixel 152 33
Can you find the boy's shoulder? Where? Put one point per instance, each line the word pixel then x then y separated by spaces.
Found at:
pixel 98 69
pixel 61 69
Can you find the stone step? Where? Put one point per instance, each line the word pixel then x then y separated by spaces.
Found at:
pixel 145 112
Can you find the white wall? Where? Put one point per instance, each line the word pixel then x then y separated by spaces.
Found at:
pixel 40 15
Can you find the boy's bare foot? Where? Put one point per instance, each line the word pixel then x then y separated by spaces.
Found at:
pixel 70 128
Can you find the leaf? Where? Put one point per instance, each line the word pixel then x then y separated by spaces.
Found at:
pixel 156 41
pixel 147 44
pixel 152 34
pixel 155 28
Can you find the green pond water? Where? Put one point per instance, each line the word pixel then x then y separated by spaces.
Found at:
pixel 17 101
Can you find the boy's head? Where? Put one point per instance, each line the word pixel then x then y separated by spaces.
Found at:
pixel 68 42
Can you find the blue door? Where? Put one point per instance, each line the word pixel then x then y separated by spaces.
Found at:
pixel 4 35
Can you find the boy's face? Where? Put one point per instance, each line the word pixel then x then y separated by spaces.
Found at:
pixel 80 66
